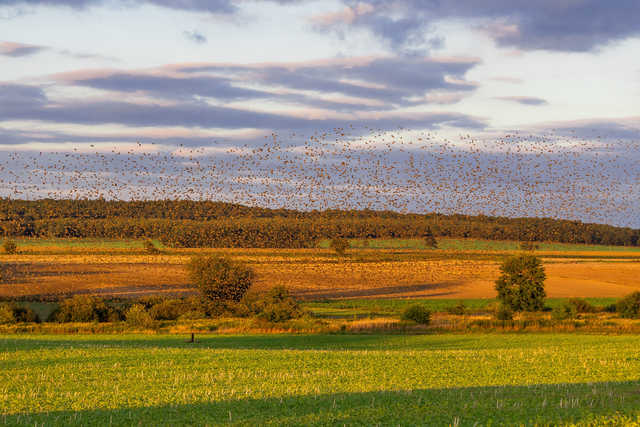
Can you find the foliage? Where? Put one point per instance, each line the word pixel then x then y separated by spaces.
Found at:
pixel 150 247
pixel 184 223
pixel 521 284
pixel 565 311
pixel 417 313
pixel 10 246
pixel 82 308
pixel 339 245
pixel 170 309
pixel 429 239
pixel 137 317
pixel 6 314
pixel 220 279
pixel 277 306
pixel 459 309
pixel 7 272
pixel 582 305
pixel 629 306
pixel 504 313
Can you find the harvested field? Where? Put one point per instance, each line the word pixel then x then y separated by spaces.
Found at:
pixel 316 273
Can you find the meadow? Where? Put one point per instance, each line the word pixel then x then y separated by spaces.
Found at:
pixel 461 380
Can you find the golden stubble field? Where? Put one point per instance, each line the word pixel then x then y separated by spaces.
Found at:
pixel 317 273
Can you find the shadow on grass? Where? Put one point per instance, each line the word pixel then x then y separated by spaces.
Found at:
pixel 586 403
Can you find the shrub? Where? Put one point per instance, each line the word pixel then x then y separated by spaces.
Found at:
pixel 170 309
pixel 564 311
pixel 6 314
pixel 220 279
pixel 504 313
pixel 25 314
pixel 339 245
pixel 7 272
pixel 459 309
pixel 278 306
pixel 417 313
pixel 429 239
pixel 137 317
pixel 150 247
pixel 10 246
pixel 82 308
pixel 521 284
pixel 582 305
pixel 629 306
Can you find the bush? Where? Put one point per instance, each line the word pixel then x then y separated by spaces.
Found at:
pixel 429 239
pixel 10 246
pixel 582 305
pixel 220 279
pixel 278 306
pixel 521 284
pixel 459 309
pixel 7 272
pixel 339 245
pixel 565 311
pixel 137 317
pixel 6 314
pixel 170 309
pixel 629 306
pixel 25 314
pixel 82 308
pixel 150 247
pixel 417 313
pixel 504 313
pixel 12 313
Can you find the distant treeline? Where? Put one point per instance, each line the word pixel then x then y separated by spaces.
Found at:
pixel 183 223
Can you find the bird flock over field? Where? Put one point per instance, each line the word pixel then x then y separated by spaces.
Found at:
pixel 551 175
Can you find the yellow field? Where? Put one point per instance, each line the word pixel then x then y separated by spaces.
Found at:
pixel 317 273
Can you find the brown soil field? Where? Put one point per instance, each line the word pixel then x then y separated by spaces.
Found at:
pixel 318 274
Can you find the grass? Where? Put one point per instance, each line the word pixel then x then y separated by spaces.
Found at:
pixel 395 307
pixel 30 243
pixel 320 379
pixel 443 243
pixel 477 245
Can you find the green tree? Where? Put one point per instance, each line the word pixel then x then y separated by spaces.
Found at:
pixel 521 285
pixel 339 245
pixel 220 279
pixel 10 246
pixel 429 239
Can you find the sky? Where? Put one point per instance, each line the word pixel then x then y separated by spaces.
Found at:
pixel 445 83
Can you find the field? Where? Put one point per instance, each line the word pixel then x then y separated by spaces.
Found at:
pixel 461 269
pixel 320 379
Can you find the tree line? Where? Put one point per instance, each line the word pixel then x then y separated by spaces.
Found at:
pixel 186 223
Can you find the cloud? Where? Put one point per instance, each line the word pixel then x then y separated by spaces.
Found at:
pixel 195 37
pixel 212 6
pixel 170 86
pixel 575 25
pixel 524 100
pixel 395 81
pixel 19 102
pixel 19 49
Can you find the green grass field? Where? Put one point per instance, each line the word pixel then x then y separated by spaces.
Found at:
pixel 394 307
pixel 443 243
pixel 476 244
pixel 320 379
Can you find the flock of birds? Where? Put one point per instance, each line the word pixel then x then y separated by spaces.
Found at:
pixel 549 175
